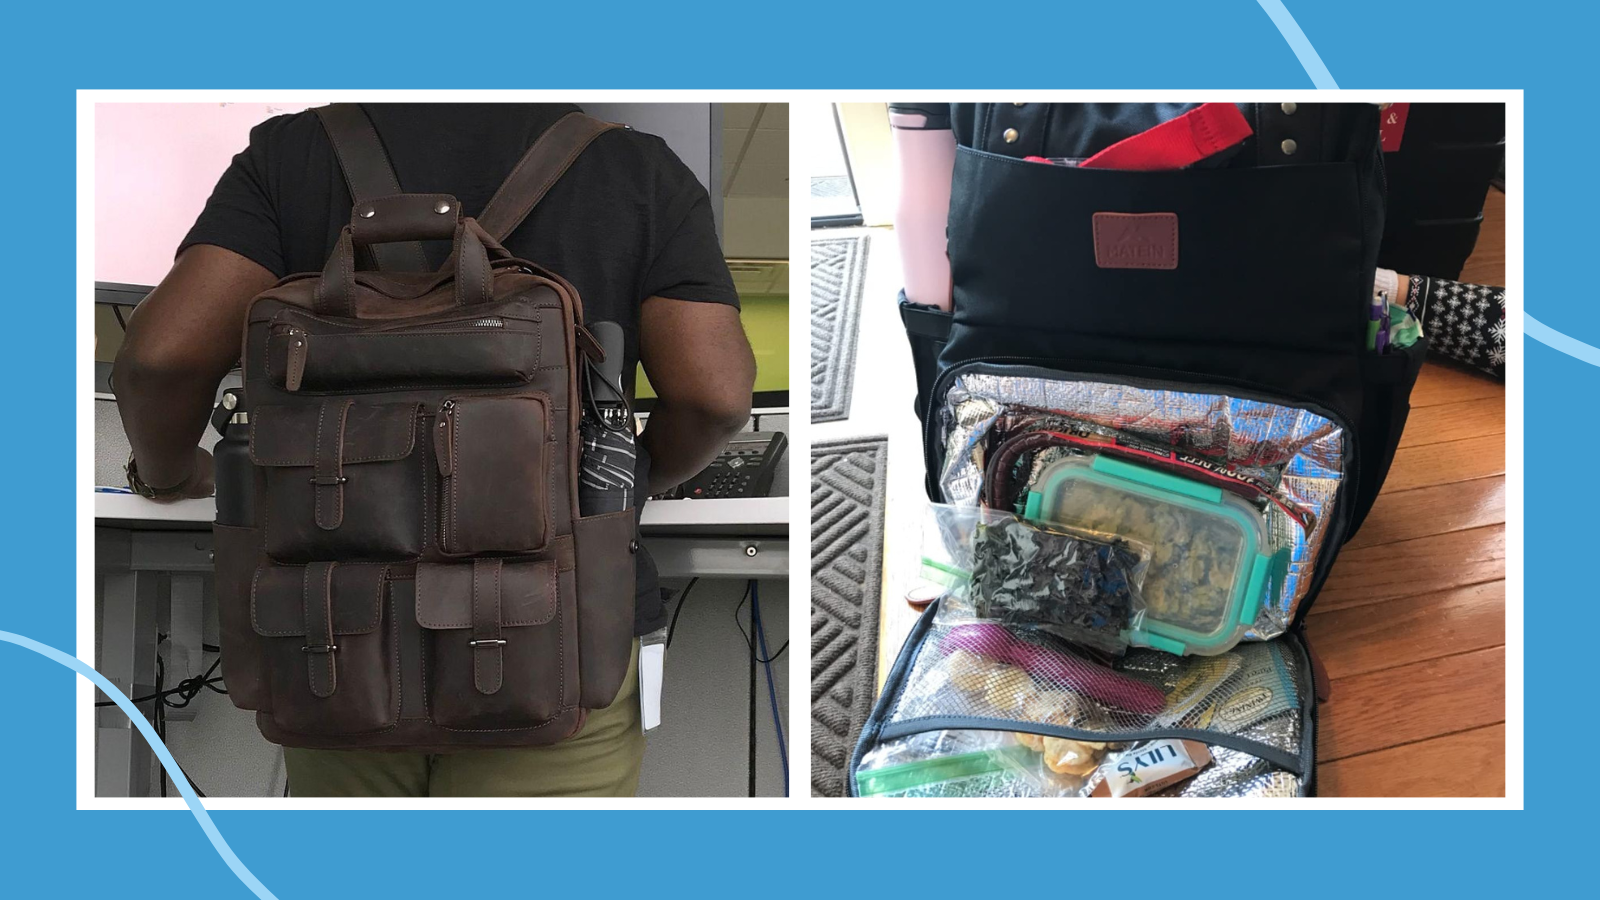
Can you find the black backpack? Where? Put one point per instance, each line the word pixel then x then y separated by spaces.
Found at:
pixel 1221 310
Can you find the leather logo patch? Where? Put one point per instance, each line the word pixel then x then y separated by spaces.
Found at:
pixel 1136 240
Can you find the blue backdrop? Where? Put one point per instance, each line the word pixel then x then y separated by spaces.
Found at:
pixel 47 848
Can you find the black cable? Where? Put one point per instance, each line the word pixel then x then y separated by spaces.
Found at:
pixel 683 597
pixel 749 641
pixel 188 688
pixel 161 717
pixel 760 629
pixel 752 713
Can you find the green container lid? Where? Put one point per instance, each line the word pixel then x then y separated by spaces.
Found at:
pixel 1209 567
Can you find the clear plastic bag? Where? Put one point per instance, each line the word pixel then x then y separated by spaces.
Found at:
pixel 956 763
pixel 995 567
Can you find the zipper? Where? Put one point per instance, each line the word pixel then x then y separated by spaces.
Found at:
pixel 444 439
pixel 455 324
pixel 1026 367
pixel 295 364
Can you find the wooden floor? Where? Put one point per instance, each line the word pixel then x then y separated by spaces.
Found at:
pixel 1411 623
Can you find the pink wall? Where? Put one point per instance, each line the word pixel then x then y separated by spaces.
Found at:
pixel 155 165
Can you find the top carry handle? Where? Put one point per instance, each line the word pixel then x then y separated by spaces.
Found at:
pixel 369 175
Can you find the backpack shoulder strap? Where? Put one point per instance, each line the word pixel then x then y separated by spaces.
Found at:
pixel 540 168
pixel 368 173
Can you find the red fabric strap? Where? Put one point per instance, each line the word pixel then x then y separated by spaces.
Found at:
pixel 1206 130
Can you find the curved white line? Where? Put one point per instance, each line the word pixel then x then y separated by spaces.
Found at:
pixel 167 762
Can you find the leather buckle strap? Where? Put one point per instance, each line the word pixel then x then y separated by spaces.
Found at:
pixel 327 475
pixel 488 665
pixel 316 599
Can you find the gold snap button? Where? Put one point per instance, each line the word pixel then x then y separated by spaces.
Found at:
pixel 1019 104
pixel 1289 146
pixel 1010 135
pixel 1288 108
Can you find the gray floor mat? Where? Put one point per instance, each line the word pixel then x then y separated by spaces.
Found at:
pixel 847 485
pixel 838 268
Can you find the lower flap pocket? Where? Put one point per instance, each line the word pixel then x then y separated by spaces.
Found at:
pixel 496 655
pixel 329 646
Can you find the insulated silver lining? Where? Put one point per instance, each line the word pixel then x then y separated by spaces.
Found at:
pixel 1297 450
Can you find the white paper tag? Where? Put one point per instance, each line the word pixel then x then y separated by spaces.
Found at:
pixel 652 665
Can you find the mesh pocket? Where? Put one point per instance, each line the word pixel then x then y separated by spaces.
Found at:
pixel 1019 678
pixel 977 763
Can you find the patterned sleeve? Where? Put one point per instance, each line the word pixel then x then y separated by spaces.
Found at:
pixel 1465 322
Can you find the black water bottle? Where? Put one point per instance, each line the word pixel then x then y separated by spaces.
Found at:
pixel 605 469
pixel 235 474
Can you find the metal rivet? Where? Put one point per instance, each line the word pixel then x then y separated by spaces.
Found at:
pixel 1019 105
pixel 1288 108
pixel 442 208
pixel 368 213
pixel 1289 146
pixel 1010 135
pixel 230 401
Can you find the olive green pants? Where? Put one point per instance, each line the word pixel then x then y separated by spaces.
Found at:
pixel 601 760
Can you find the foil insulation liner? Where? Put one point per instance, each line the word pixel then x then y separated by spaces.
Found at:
pixel 1301 453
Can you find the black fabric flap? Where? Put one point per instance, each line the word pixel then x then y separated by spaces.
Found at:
pixel 444 593
pixel 277 599
pixel 373 432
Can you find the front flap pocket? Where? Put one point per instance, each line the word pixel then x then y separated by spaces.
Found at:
pixel 343 479
pixel 327 646
pixel 493 455
pixel 497 659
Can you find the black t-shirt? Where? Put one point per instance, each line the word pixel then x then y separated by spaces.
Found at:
pixel 626 222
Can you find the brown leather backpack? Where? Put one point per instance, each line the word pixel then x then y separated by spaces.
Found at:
pixel 419 576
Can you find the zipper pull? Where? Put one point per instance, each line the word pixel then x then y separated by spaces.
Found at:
pixel 587 345
pixel 299 348
pixel 444 439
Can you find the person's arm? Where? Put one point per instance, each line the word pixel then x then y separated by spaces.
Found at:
pixel 181 342
pixel 700 365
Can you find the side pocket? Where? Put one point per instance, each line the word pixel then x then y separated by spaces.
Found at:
pixel 496 657
pixel 329 645
pixel 494 466
pixel 606 584
pixel 1387 382
pixel 343 479
pixel 927 328
pixel 244 663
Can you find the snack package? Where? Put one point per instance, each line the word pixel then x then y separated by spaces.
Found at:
pixel 1262 688
pixel 996 567
pixel 1151 766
